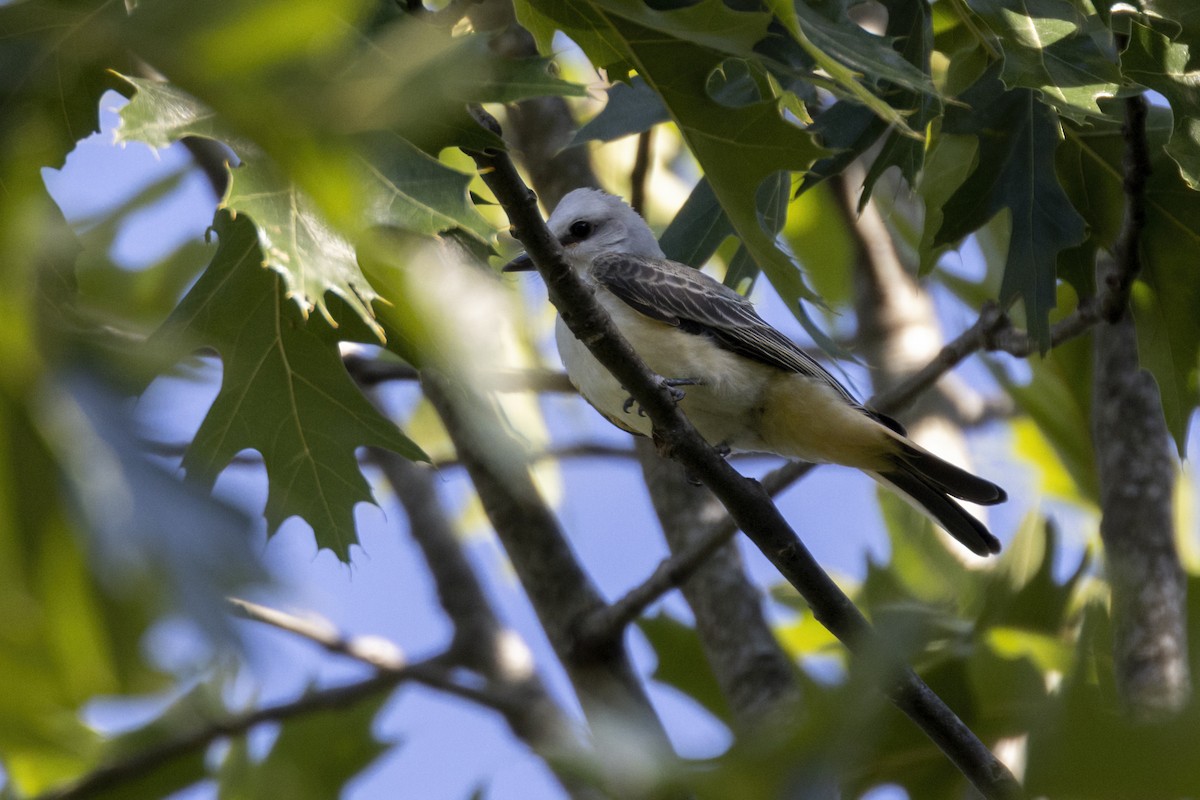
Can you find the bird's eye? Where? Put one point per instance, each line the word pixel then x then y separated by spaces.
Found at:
pixel 581 229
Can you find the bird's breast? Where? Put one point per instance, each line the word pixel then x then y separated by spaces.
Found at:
pixel 727 404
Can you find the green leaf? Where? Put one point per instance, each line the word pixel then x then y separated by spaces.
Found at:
pixel 1059 399
pixel 284 392
pixel 53 57
pixel 682 663
pixel 1157 63
pixel 850 129
pixel 675 52
pixel 66 633
pixel 314 757
pixel 1053 47
pixel 404 187
pixel 189 714
pixel 1015 172
pixel 851 56
pixel 160 114
pixel 419 193
pixel 1165 299
pixel 308 254
pixel 948 164
pixel 631 108
pixel 1085 745
pixel 698 229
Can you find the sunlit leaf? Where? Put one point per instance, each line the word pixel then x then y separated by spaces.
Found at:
pixel 1053 47
pixel 160 114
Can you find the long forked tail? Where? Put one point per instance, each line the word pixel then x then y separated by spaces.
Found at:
pixel 932 483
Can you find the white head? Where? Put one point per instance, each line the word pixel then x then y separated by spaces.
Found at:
pixel 589 222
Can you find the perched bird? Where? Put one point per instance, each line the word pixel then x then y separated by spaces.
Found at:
pixel 749 387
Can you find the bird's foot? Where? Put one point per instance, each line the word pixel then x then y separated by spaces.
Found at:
pixel 672 385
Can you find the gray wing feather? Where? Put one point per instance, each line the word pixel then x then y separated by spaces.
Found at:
pixel 685 297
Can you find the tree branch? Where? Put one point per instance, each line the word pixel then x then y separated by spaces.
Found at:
pixel 113 774
pixel 1137 473
pixel 641 171
pixel 755 675
pixel 372 650
pixel 560 591
pixel 745 499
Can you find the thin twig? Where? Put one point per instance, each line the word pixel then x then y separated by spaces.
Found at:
pixel 675 570
pixel 640 172
pixel 1127 248
pixel 379 653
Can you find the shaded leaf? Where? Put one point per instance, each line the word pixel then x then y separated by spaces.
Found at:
pixel 1157 63
pixel 675 52
pixel 1015 172
pixel 419 193
pixel 1165 299
pixel 682 663
pixel 1058 399
pixel 698 229
pixel 631 108
pixel 313 758
pixel 53 62
pixel 284 393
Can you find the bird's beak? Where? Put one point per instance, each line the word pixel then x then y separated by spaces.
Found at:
pixel 522 263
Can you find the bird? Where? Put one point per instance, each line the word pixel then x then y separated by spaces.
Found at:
pixel 749 388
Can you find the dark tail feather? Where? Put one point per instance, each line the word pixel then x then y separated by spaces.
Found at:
pixel 931 495
pixel 952 480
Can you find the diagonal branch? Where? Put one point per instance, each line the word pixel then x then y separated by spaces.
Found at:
pixel 108 777
pixel 747 502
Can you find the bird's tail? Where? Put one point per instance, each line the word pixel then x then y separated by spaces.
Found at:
pixel 931 484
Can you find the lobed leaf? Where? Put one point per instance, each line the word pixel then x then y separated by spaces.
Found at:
pixel 284 392
pixel 1015 172
pixel 1157 63
pixel 1053 47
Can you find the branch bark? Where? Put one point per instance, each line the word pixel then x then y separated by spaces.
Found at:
pixel 755 675
pixel 481 642
pixel 113 774
pixel 748 504
pixel 560 591
pixel 1137 474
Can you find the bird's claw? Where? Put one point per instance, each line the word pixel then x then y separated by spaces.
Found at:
pixel 671 384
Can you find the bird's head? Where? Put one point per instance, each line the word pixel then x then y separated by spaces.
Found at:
pixel 589 222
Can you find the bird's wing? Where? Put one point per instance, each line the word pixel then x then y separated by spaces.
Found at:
pixel 685 297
